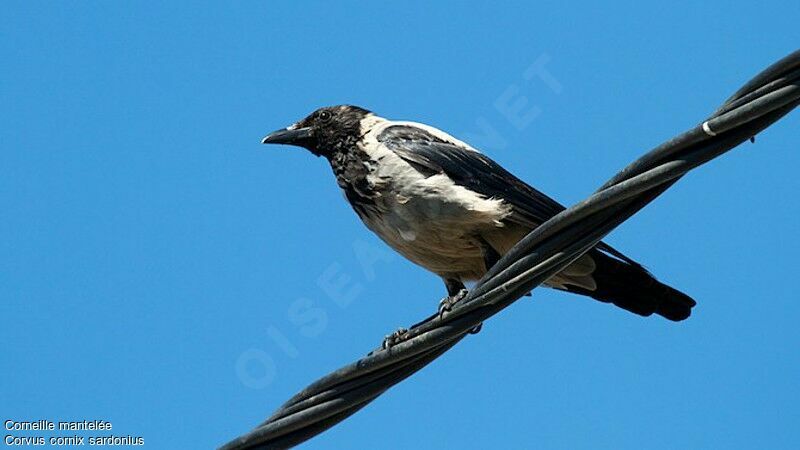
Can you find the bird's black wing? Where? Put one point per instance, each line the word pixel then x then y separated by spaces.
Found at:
pixel 432 155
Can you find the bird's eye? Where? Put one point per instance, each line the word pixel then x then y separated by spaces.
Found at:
pixel 325 116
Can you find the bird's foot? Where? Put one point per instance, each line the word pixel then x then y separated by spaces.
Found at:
pixel 447 303
pixel 395 338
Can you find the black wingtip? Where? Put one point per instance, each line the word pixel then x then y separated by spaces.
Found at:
pixel 634 289
pixel 675 305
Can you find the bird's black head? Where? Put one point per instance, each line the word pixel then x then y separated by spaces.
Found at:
pixel 324 132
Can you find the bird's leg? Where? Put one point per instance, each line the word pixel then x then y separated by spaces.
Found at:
pixel 454 286
pixel 455 292
pixel 490 258
pixel 395 338
pixel 447 303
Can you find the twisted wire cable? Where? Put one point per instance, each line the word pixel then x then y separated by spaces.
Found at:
pixel 548 249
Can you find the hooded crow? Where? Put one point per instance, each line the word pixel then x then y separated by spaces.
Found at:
pixel 454 211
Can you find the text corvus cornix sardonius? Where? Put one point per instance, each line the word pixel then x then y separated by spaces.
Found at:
pixel 452 210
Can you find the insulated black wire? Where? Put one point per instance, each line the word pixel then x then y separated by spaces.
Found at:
pixel 544 252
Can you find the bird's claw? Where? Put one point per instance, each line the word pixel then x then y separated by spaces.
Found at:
pixel 447 303
pixel 395 338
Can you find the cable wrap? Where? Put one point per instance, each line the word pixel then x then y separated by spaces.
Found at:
pixel 544 252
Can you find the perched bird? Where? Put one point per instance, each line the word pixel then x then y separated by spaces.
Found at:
pixel 452 210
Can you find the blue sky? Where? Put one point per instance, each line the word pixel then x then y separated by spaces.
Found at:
pixel 156 259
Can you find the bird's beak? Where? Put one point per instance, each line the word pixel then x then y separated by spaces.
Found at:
pixel 290 136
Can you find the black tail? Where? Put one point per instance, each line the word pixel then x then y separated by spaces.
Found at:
pixel 633 288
